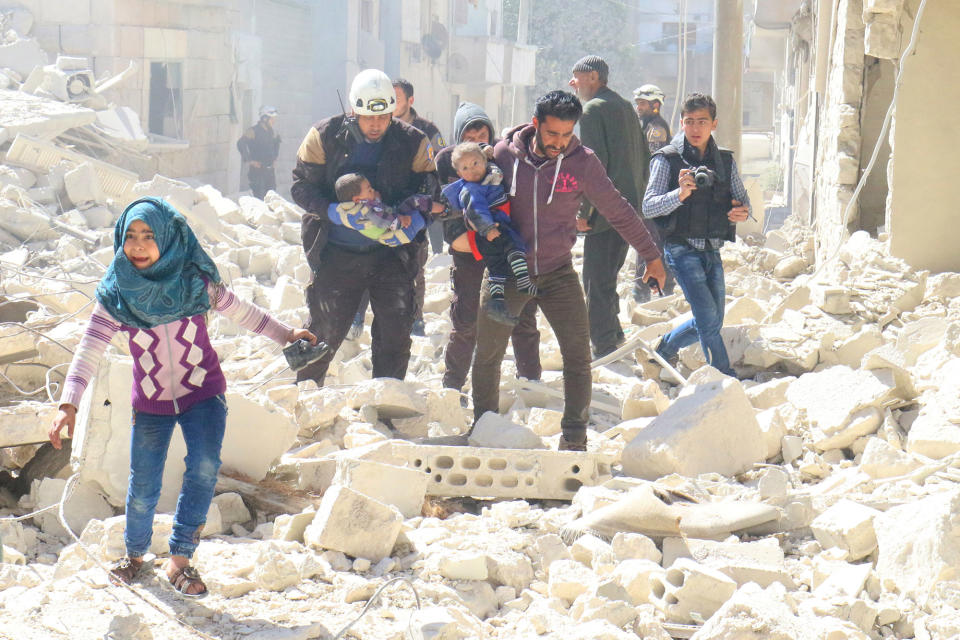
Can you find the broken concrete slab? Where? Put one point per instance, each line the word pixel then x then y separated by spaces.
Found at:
pixel 709 427
pixel 645 399
pixel 83 187
pixel 918 545
pixel 689 592
pixel 392 398
pixel 495 431
pixel 569 578
pixel 849 526
pixel 635 546
pixel 401 487
pixel 880 459
pixel 355 524
pixel 39 155
pixel 841 404
pixel 761 561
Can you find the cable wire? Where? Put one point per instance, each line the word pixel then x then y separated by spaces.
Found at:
pixel 373 600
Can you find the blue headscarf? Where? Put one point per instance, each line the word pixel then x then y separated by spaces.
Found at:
pixel 173 287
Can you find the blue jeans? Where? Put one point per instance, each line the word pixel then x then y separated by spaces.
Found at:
pixel 700 275
pixel 202 425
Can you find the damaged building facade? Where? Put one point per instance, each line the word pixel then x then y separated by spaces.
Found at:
pixel 841 60
pixel 203 68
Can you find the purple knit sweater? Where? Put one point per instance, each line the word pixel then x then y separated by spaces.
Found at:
pixel 174 365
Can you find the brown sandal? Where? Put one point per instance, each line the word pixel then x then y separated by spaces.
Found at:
pixel 125 570
pixel 186 577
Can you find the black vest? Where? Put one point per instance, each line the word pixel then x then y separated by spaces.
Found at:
pixel 704 214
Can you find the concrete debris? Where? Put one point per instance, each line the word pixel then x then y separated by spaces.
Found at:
pixel 810 497
pixel 709 428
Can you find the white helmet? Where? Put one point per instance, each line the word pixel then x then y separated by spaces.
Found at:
pixel 649 92
pixel 372 93
pixel 268 112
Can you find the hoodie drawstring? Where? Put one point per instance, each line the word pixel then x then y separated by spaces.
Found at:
pixel 555 174
pixel 513 183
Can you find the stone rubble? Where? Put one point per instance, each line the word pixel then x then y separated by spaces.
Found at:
pixel 814 497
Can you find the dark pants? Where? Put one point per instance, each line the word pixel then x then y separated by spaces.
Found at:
pixel 700 274
pixel 262 180
pixel 466 277
pixel 420 283
pixel 560 297
pixel 334 296
pixel 435 234
pixel 603 256
pixel 496 254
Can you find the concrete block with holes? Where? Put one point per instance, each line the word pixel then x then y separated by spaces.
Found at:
pixel 690 593
pixel 497 473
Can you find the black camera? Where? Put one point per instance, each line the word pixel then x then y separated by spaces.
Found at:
pixel 301 353
pixel 704 177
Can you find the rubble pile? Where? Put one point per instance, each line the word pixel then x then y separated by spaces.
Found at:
pixel 813 497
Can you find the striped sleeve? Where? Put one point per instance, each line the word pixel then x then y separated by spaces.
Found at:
pixel 658 201
pixel 246 314
pixel 99 332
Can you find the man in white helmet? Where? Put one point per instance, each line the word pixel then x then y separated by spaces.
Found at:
pixel 649 100
pixel 259 147
pixel 395 157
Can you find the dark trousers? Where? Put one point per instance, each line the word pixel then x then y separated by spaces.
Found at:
pixel 466 277
pixel 420 283
pixel 262 180
pixel 560 297
pixel 603 256
pixel 334 296
pixel 435 234
pixel 496 254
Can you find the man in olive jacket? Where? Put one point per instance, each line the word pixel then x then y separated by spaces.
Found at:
pixel 610 128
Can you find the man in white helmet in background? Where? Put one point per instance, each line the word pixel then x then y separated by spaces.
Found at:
pixel 259 147
pixel 649 100
pixel 395 157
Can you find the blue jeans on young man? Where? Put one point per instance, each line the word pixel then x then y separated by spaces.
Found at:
pixel 203 426
pixel 700 275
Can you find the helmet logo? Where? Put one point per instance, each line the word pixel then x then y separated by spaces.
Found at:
pixel 377 105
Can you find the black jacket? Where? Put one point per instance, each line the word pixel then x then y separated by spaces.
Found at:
pixel 405 168
pixel 259 143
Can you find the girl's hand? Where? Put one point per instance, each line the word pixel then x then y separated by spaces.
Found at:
pixel 66 417
pixel 492 234
pixel 295 334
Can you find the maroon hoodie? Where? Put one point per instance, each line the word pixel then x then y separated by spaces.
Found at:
pixel 545 197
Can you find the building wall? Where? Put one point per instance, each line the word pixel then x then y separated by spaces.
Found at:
pixel 922 213
pixel 839 134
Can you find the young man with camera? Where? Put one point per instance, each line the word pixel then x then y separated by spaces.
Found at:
pixel 696 197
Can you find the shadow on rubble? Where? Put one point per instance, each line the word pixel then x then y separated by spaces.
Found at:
pixel 212 620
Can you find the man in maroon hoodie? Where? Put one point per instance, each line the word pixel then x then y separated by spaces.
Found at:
pixel 546 172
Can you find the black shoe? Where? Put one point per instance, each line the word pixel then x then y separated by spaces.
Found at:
pixel 497 310
pixel 572 445
pixel 418 329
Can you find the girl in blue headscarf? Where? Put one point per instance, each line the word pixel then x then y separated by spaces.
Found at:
pixel 157 290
